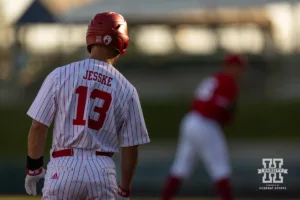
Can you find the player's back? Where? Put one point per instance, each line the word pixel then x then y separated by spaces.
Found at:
pixel 215 97
pixel 92 98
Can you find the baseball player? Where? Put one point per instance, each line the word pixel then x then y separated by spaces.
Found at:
pixel 201 130
pixel 96 112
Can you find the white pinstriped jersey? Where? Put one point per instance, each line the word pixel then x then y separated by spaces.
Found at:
pixel 94 107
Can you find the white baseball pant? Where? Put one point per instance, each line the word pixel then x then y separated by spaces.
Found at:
pixel 201 138
pixel 81 176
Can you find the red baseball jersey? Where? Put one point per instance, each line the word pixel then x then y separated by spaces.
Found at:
pixel 94 107
pixel 216 97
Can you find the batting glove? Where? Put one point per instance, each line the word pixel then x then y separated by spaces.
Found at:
pixel 32 179
pixel 35 172
pixel 122 194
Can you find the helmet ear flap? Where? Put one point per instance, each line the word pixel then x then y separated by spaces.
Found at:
pixel 125 45
pixel 125 40
pixel 121 44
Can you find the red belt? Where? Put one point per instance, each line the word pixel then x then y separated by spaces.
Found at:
pixel 70 152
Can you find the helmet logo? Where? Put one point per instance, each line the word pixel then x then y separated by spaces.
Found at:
pixel 107 39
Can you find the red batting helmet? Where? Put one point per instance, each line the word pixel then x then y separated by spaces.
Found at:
pixel 235 59
pixel 110 29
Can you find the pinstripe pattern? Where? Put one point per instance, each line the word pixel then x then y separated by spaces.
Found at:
pixel 124 124
pixel 85 175
pixel 44 104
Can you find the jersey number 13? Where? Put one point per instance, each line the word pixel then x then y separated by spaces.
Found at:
pixel 82 92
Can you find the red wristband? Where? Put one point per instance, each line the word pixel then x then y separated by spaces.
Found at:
pixel 34 172
pixel 123 193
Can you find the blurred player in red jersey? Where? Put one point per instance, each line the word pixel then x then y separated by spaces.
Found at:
pixel 201 130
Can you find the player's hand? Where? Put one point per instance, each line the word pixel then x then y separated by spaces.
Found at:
pixel 32 179
pixel 122 194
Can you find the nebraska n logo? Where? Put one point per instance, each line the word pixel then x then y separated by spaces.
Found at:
pixel 272 172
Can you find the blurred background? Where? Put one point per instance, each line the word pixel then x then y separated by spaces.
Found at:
pixel 174 44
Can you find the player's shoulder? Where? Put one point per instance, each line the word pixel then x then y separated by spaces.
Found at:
pixel 79 63
pixel 125 89
pixel 58 71
pixel 54 73
pixel 226 83
pixel 123 81
pixel 114 72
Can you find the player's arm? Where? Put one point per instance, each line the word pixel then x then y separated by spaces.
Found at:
pixel 42 112
pixel 133 134
pixel 129 161
pixel 37 139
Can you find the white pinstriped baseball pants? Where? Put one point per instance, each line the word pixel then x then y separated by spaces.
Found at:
pixel 83 176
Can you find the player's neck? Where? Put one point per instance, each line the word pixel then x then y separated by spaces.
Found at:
pixel 103 59
pixel 103 54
